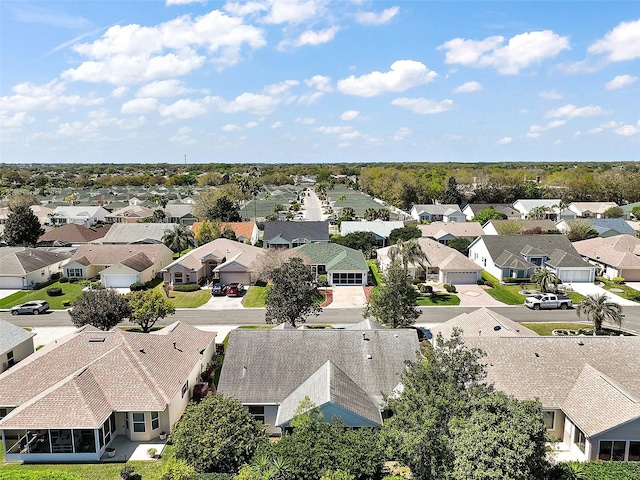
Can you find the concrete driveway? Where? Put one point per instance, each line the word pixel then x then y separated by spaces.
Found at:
pixel 591 289
pixel 348 297
pixel 223 303
pixel 475 296
pixel 5 292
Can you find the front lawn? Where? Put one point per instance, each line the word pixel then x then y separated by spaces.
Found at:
pixel 70 292
pixel 508 294
pixel 256 297
pixel 626 293
pixel 189 299
pixel 438 299
pixel 546 329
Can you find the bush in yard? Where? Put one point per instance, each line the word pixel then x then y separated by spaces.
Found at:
pixel 618 280
pixel 186 288
pixel 633 295
pixel 137 286
pixel 96 285
pixel 322 281
pixel 450 288
pixel 217 435
pixel 64 280
pixel 54 292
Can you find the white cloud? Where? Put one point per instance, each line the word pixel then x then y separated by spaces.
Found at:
pixel 423 106
pixel 504 141
pixel 402 133
pixel 50 96
pixel 251 124
pixel 551 95
pixel 310 98
pixel 140 105
pixel 18 120
pixel 249 102
pixel 536 130
pixel 163 88
pixel 244 9
pixel 306 121
pixel 275 125
pixel 520 52
pixel 337 130
pixel 349 115
pixel 230 127
pixel 620 44
pixel 183 2
pixel 280 88
pixel 620 81
pixel 611 124
pixel 468 87
pixel 320 82
pixel 571 111
pixel 311 37
pixel 628 130
pixel 374 18
pixel 403 75
pixel 291 11
pixel 119 92
pixel 183 108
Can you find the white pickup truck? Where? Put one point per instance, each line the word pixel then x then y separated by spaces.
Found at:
pixel 547 301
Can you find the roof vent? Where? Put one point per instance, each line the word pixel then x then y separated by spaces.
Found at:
pixel 537 354
pixel 497 327
pixel 364 336
pixel 97 339
pixel 369 357
pixel 142 350
pixel 580 342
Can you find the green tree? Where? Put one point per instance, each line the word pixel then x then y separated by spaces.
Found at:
pixel 217 435
pixel 546 280
pixel 613 212
pixel 103 308
pixel 394 302
pixel 370 214
pixel 538 213
pixel 178 238
pixel 483 216
pixel 460 244
pixel 147 307
pixel 408 253
pixel 206 232
pixel 292 296
pixel 383 214
pixel 580 230
pixel 347 213
pixel 635 211
pixel 451 195
pixel 403 234
pixel 510 227
pixel 597 308
pixel 22 227
pixel 366 242
pixel 265 467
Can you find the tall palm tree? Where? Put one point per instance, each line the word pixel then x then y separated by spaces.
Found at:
pixel 178 238
pixel 544 279
pixel 598 309
pixel 407 253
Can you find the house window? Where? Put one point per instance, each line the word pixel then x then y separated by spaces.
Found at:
pixel 138 422
pixel 126 422
pixel 3 412
pixel 11 361
pixel 177 277
pixel 185 388
pixel 579 438
pixel 155 420
pixel 549 419
pixel 74 272
pixel 258 412
pixel 634 451
pixel 612 450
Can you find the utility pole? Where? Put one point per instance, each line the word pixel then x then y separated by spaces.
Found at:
pixel 185 158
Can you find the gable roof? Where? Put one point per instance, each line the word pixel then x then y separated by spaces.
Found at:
pixel 621 251
pixel 439 255
pixel 507 248
pixel 334 256
pixel 544 225
pixel 602 225
pixel 504 208
pixel 97 254
pixel 11 335
pixel 525 205
pixel 483 323
pixel 438 230
pixel 179 210
pixel 290 231
pixel 224 250
pixel 125 233
pixel 74 233
pixel 24 260
pixel 78 381
pixel 382 228
pixel 241 229
pixel 593 207
pixel 84 211
pixel 437 208
pixel 131 211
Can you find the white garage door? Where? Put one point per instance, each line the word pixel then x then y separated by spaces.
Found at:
pixel 235 277
pixel 461 278
pixel 119 281
pixel 575 275
pixel 11 282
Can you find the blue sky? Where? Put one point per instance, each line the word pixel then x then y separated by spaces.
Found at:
pixel 315 81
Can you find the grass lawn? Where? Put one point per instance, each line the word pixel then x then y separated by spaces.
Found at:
pixel 150 470
pixel 546 329
pixel 70 290
pixel 608 285
pixel 438 299
pixel 186 299
pixel 256 297
pixel 507 294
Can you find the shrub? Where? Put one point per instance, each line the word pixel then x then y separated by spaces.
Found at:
pixel 416 281
pixel 633 295
pixel 55 276
pixel 322 280
pixel 617 280
pixel 187 288
pixel 74 280
pixel 54 292
pixel 137 286
pixel 66 303
pixel 152 452
pixel 64 280
pixel 480 282
pixel 148 285
pixel 450 288
pixel 96 285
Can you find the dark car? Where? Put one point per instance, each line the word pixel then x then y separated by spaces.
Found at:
pixel 35 307
pixel 234 289
pixel 218 290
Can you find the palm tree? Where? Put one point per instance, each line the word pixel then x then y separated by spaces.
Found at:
pixel 409 252
pixel 598 309
pixel 178 238
pixel 370 214
pixel 544 279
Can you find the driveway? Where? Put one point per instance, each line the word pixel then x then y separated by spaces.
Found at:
pixel 591 289
pixel 6 292
pixel 634 285
pixel 476 296
pixel 347 297
pixel 223 303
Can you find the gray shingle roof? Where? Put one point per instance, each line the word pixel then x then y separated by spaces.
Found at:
pixel 517 244
pixel 381 228
pixel 290 231
pixel 335 257
pixel 11 336
pixel 136 232
pixel 483 323
pixel 23 260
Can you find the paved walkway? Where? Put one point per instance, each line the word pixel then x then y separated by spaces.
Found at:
pixel 6 292
pixel 347 297
pixel 224 303
pixel 591 289
pixel 476 296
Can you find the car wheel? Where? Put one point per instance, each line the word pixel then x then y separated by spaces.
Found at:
pixel 536 307
pixel 564 306
pixel 36 312
pixel 14 312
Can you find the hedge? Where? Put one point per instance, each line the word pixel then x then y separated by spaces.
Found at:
pixel 54 292
pixel 137 286
pixel 187 288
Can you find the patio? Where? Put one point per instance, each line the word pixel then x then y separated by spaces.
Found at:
pixel 127 450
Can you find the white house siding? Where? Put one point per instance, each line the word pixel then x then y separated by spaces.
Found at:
pixel 12 282
pixel 479 253
pixel 119 280
pixel 568 439
pixel 20 352
pixel 577 275
pixel 489 229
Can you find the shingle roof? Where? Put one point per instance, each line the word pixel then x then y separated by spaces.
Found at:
pixel 290 231
pixel 617 251
pixel 24 260
pixel 593 207
pixel 11 336
pixel 81 379
pixel 131 211
pixel 457 229
pixel 528 204
pixel 379 227
pixel 503 208
pixel 136 232
pixel 335 257
pixel 241 229
pixel 483 323
pixel 96 254
pixel 437 208
pixel 439 254
pixel 74 233
pixel 544 225
pixel 619 225
pixel 497 245
pixel 179 210
pixel 221 249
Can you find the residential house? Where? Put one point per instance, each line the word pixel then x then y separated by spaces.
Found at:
pixel 118 265
pixel 494 227
pixel 70 400
pixel 221 260
pixel 293 234
pixel 438 212
pixel 87 216
pixel 380 229
pixel 246 232
pixel 130 214
pixel 342 265
pixel 524 206
pixel 43 214
pixel 606 227
pixel 180 213
pixel 472 209
pixel 590 209
pixel 345 373
pixel 443 264
pixel 627 209
pixel 481 323
pixel 136 233
pixel 591 406
pixel 24 267
pixel 443 232
pixel 517 256
pixel 617 256
pixel 16 344
pixel 72 234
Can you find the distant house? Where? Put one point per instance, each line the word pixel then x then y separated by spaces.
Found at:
pixel 136 233
pixel 443 264
pixel 345 373
pixel 445 232
pixel 71 399
pixel 118 265
pixel 437 212
pixel 380 229
pixel 525 206
pixel 87 216
pixel 342 265
pixel 181 213
pixel 294 234
pixel 606 227
pixel 222 260
pixel 628 208
pixel 16 344
pixel 72 234
pixel 493 227
pixel 130 214
pixel 481 323
pixel 43 214
pixel 472 209
pixel 591 209
pixel 517 256
pixel 24 267
pixel 617 256
pixel 246 232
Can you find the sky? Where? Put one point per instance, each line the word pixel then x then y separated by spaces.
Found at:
pixel 316 81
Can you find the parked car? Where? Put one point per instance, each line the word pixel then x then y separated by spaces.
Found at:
pixel 35 307
pixel 234 289
pixel 218 290
pixel 548 301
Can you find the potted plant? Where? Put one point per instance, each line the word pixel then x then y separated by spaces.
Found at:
pixel 163 435
pixel 152 452
pixel 111 452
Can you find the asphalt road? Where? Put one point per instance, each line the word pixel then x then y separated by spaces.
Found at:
pixel 331 316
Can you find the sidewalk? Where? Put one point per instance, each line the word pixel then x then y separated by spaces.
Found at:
pixel 591 289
